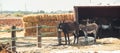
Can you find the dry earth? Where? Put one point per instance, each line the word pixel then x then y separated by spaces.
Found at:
pixel 49 45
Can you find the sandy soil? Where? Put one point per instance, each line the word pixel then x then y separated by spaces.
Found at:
pixel 49 45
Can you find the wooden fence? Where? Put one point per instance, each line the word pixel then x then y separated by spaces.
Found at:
pixel 39 35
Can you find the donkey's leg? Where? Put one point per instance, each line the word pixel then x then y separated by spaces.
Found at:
pixel 95 38
pixel 68 38
pixel 65 38
pixel 77 35
pixel 77 39
pixel 86 37
pixel 74 38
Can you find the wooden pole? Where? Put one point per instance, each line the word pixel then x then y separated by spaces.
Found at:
pixel 39 36
pixel 59 37
pixel 13 36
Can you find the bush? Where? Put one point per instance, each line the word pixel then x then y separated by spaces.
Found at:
pixel 18 14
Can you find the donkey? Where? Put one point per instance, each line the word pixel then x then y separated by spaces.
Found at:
pixel 67 28
pixel 89 28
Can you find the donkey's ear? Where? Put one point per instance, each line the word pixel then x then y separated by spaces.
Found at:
pixel 59 22
pixel 63 21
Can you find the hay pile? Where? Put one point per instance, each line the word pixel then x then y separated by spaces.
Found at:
pixel 45 19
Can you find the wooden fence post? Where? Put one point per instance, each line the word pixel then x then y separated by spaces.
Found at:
pixel 13 36
pixel 39 44
pixel 59 36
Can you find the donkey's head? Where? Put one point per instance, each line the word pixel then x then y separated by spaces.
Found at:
pixel 61 25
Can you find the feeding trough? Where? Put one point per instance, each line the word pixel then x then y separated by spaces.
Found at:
pixel 82 40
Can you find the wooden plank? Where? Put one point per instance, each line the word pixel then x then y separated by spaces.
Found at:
pixel 13 36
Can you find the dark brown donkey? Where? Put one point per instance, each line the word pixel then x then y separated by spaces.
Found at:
pixel 67 28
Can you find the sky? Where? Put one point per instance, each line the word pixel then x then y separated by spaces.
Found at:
pixel 48 5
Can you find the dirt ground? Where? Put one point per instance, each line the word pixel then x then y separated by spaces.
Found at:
pixel 49 45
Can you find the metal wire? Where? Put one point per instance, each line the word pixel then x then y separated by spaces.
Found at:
pixel 21 29
pixel 43 34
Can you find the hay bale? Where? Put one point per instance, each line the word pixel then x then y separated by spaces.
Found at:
pixel 40 16
pixel 27 24
pixel 30 18
pixel 52 29
pixel 29 30
pixel 52 17
pixel 30 34
pixel 70 17
pixel 45 19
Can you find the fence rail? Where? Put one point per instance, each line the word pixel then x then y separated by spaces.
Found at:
pixel 39 35
pixel 21 29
